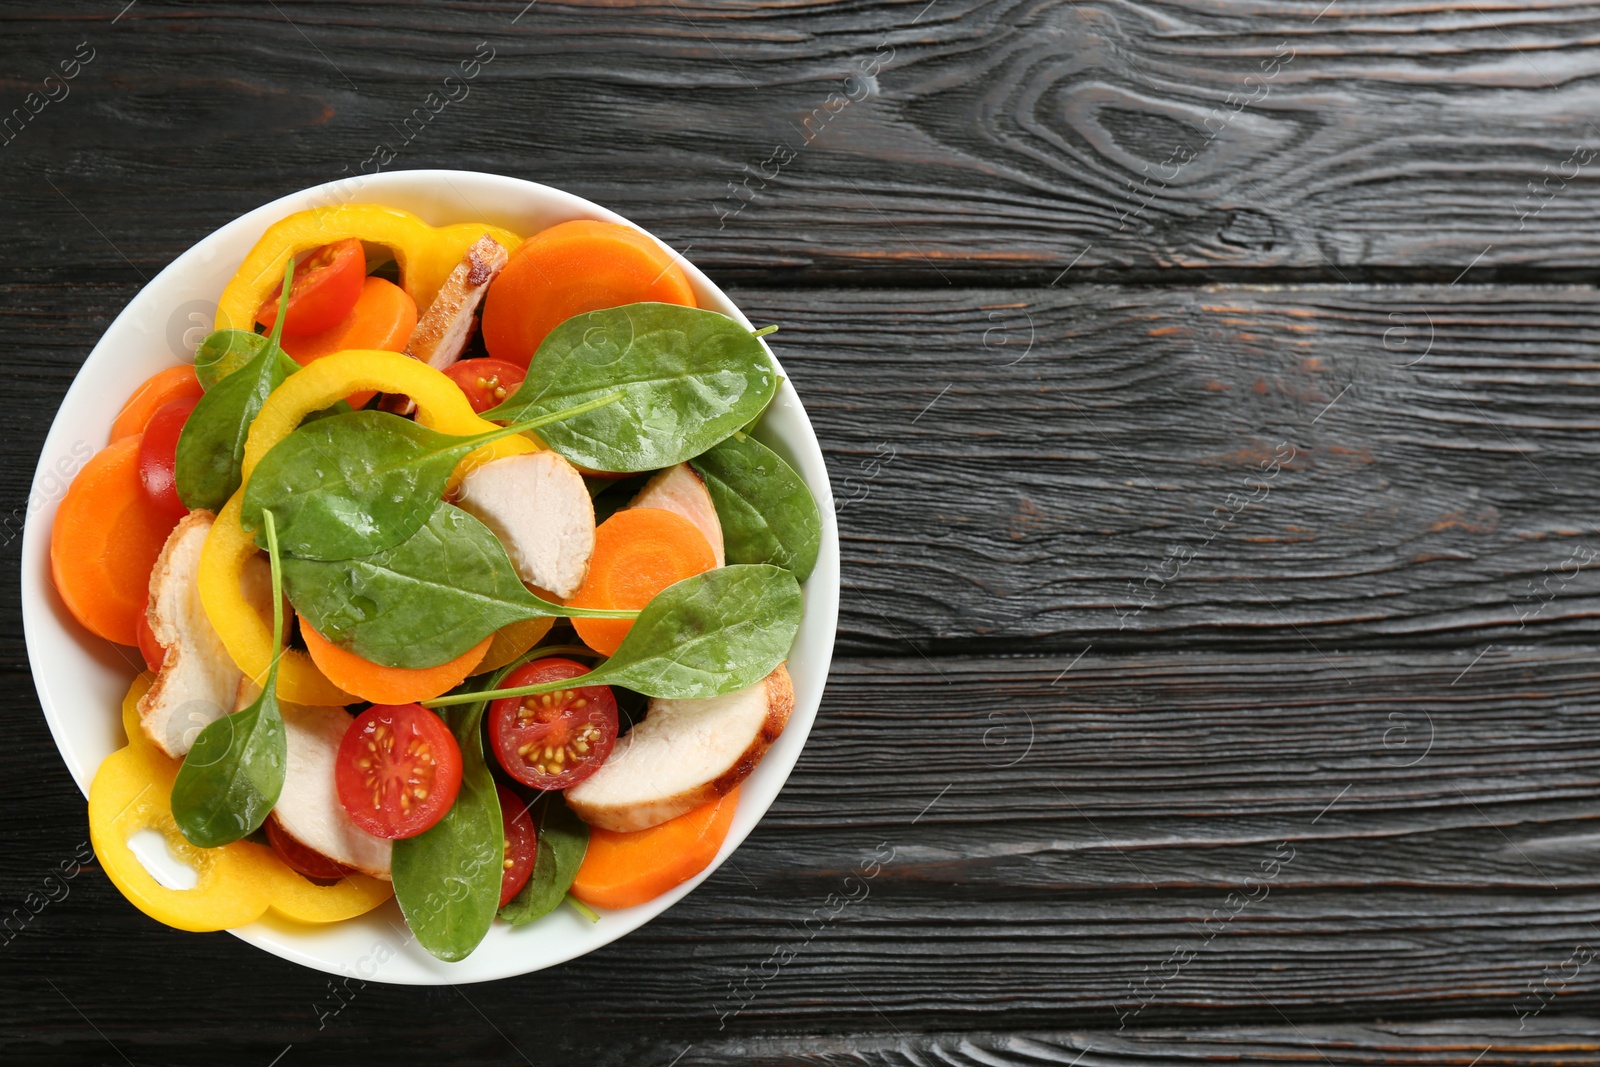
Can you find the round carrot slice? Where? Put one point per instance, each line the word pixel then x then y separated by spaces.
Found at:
pixel 569 269
pixel 161 389
pixel 621 870
pixel 105 540
pixel 383 318
pixel 388 685
pixel 637 553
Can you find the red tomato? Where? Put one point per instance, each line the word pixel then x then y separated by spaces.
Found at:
pixel 486 381
pixel 326 285
pixel 555 739
pixel 307 861
pixel 158 455
pixel 522 844
pixel 149 647
pixel 398 770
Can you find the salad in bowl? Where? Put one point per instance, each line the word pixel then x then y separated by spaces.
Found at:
pixel 477 576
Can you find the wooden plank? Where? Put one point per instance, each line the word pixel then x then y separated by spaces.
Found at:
pixel 1188 839
pixel 1407 770
pixel 1054 469
pixel 1026 469
pixel 965 141
pixel 1454 1042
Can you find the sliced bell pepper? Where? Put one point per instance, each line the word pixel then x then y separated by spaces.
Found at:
pixel 130 718
pixel 441 405
pixel 132 791
pixel 296 897
pixel 426 254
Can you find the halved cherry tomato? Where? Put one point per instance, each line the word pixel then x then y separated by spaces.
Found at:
pixel 486 381
pixel 522 844
pixel 158 455
pixel 326 284
pixel 303 860
pixel 149 647
pixel 398 770
pixel 555 739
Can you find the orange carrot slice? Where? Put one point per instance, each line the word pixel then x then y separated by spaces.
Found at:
pixel 621 870
pixel 105 541
pixel 570 269
pixel 383 318
pixel 388 685
pixel 637 553
pixel 174 383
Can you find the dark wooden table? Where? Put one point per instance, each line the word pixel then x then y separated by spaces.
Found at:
pixel 1211 392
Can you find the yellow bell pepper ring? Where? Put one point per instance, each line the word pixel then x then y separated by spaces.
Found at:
pixel 132 791
pixel 426 254
pixel 441 405
pixel 296 897
pixel 130 720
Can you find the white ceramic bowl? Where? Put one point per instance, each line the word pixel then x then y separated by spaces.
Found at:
pixel 82 678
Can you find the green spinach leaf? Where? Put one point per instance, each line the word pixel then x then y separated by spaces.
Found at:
pixel 359 483
pixel 710 634
pixel 225 351
pixel 211 446
pixel 233 774
pixel 423 602
pixel 563 840
pixel 768 513
pixel 447 878
pixel 689 378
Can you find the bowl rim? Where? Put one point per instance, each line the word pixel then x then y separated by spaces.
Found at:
pixel 204 268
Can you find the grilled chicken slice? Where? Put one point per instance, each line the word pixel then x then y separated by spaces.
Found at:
pixel 681 490
pixel 197 680
pixel 445 328
pixel 684 754
pixel 309 809
pixel 539 508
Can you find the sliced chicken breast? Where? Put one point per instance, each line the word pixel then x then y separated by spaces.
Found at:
pixel 445 328
pixel 679 489
pixel 309 809
pixel 198 679
pixel 684 754
pixel 539 508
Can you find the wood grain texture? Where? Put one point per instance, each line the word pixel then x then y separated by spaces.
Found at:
pixel 1328 795
pixel 930 872
pixel 1025 469
pixel 1050 470
pixel 967 140
pixel 1453 1042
